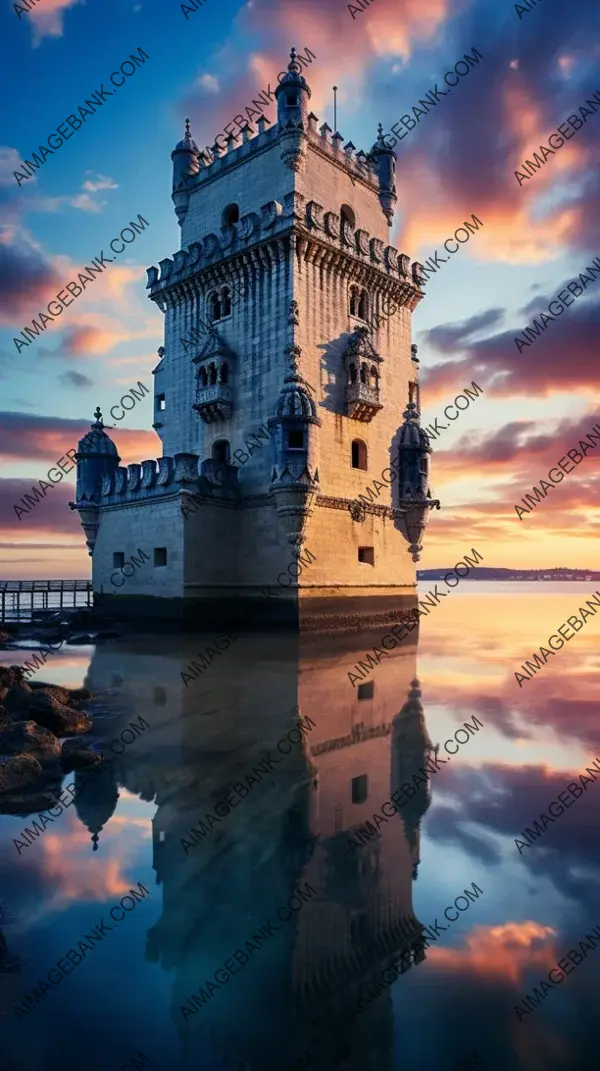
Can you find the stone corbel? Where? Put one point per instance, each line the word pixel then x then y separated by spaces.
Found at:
pixel 314 215
pixel 249 225
pixel 152 274
pixel 404 266
pixel 165 470
pixel 148 473
pixel 133 477
pixel 179 261
pixel 332 224
pixel 227 238
pixel 270 214
pixel 194 254
pixel 362 239
pixel 377 250
pixel 417 273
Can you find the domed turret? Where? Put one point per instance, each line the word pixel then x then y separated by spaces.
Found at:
pixel 96 457
pixel 185 166
pixel 295 451
pixel 385 165
pixel 292 95
pixel 413 483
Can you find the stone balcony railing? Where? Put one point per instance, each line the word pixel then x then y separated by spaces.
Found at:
pixel 363 401
pixel 214 402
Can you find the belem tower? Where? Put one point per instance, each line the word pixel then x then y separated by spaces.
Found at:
pixel 286 396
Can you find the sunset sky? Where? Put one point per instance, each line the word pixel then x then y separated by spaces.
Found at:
pixel 461 159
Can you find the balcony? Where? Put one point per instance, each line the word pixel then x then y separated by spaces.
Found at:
pixel 214 402
pixel 363 401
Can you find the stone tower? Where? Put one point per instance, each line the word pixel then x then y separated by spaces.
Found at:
pixel 286 369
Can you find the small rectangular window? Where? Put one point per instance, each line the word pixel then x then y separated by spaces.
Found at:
pixel 365 691
pixel 360 788
pixel 296 439
pixel 161 402
pixel 160 696
pixel 413 394
pixel 161 837
pixel 160 556
pixel 118 560
pixel 366 555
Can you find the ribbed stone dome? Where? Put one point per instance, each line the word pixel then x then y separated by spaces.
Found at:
pixel 97 442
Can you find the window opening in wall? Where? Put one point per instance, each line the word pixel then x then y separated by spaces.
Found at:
pixel 359 454
pixel 347 214
pixel 118 559
pixel 366 555
pixel 160 696
pixel 296 439
pixel 160 556
pixel 161 402
pixel 360 788
pixel 231 215
pixel 220 451
pixel 366 691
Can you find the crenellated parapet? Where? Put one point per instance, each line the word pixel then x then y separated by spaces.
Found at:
pixel 363 256
pixel 150 479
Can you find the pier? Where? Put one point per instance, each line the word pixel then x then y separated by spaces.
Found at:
pixel 20 599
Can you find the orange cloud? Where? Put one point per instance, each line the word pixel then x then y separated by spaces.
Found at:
pixel 503 952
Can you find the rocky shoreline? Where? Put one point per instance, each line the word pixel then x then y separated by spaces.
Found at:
pixel 39 726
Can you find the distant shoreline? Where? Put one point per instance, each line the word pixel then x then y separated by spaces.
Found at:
pixel 523 575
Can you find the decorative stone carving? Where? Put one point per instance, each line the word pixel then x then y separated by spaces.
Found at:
pixel 391 257
pixel 148 473
pixel 377 248
pixel 249 225
pixel 294 314
pixel 227 239
pixel 133 477
pixel 362 239
pixel 166 267
pixel 186 468
pixel 314 215
pixel 270 213
pixel 347 233
pixel 357 511
pixel 120 480
pixel 211 245
pixel 417 274
pixel 332 224
pixel 152 275
pixel 294 142
pixel 194 254
pixel 165 471
pixel 404 266
pixel 294 205
pixel 179 261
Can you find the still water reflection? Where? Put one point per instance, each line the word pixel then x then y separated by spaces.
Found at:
pixel 293 827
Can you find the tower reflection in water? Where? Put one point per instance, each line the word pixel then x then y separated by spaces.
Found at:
pixel 294 996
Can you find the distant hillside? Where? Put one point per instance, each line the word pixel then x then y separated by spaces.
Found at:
pixel 482 573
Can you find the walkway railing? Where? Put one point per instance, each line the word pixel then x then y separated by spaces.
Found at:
pixel 20 599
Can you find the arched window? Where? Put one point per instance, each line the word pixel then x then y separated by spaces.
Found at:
pixel 374 374
pixel 224 377
pixel 220 451
pixel 225 302
pixel 363 373
pixel 291 99
pixel 213 374
pixel 359 454
pixel 231 215
pixel 348 215
pixel 214 307
pixel 353 300
pixel 363 305
pixel 203 377
pixel 353 373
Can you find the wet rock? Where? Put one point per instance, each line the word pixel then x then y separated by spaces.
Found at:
pixel 29 739
pixel 5 637
pixel 63 720
pixel 40 688
pixel 80 695
pixel 83 638
pixel 10 675
pixel 18 698
pixel 76 756
pixel 18 772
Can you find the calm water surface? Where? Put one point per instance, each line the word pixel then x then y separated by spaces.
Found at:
pixel 295 993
